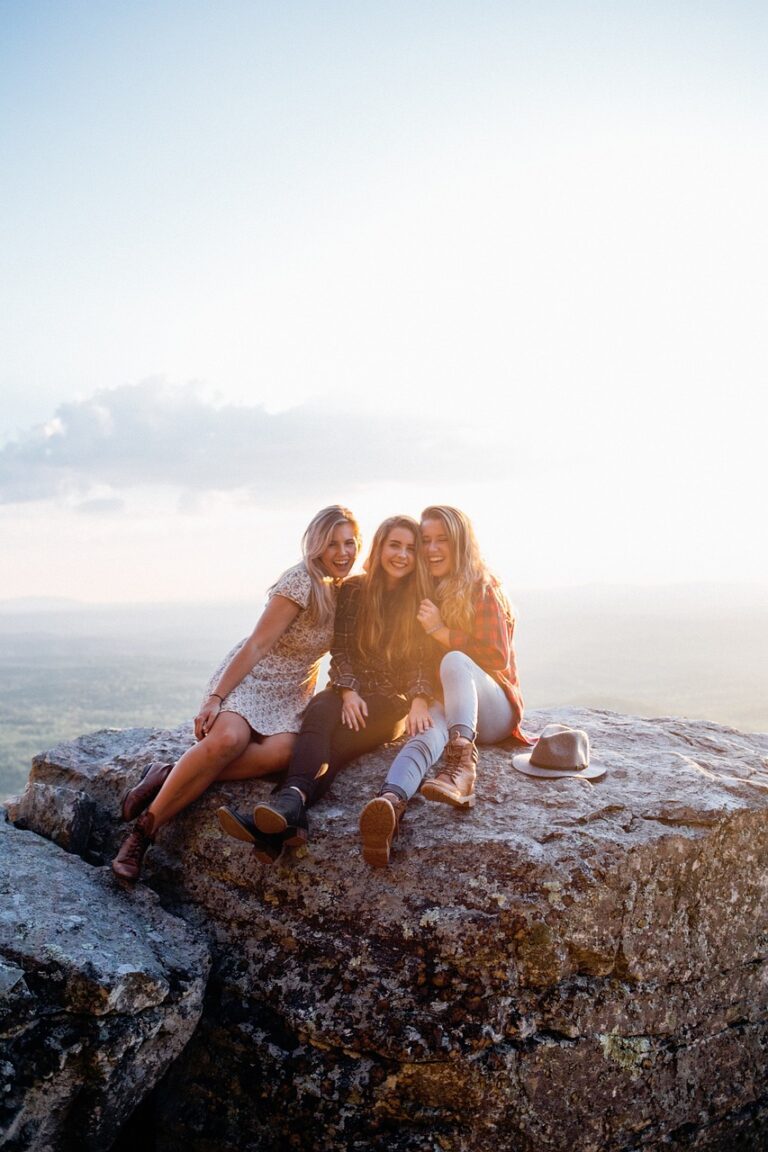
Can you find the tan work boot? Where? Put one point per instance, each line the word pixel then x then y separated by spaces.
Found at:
pixel 455 785
pixel 127 864
pixel 379 824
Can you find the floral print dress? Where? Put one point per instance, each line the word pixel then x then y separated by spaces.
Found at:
pixel 274 694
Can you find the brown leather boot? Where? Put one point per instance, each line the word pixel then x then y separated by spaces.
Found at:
pixel 127 863
pixel 379 824
pixel 142 794
pixel 455 785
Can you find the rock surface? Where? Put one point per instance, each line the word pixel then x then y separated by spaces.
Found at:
pixel 571 965
pixel 99 993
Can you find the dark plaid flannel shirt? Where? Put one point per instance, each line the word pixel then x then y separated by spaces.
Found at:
pixel 371 674
pixel 490 645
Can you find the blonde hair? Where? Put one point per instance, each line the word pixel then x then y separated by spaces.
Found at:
pixel 469 575
pixel 316 538
pixel 397 637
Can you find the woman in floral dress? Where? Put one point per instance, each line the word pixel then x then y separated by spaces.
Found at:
pixel 246 726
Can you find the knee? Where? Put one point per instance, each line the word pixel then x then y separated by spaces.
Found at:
pixel 323 710
pixel 455 662
pixel 224 745
pixel 426 746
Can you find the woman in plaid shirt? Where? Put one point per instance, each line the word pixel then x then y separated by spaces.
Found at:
pixel 469 626
pixel 378 687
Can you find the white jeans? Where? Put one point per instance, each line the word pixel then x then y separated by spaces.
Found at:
pixel 474 703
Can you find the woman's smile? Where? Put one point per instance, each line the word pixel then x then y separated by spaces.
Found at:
pixel 437 548
pixel 398 555
pixel 340 553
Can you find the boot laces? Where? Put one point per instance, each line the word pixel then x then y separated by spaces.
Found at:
pixel 136 845
pixel 453 756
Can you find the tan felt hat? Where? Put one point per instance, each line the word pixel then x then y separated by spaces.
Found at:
pixel 559 751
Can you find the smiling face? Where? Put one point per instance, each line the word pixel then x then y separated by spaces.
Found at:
pixel 398 555
pixel 340 552
pixel 438 551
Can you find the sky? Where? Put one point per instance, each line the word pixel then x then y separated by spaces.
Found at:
pixel 257 257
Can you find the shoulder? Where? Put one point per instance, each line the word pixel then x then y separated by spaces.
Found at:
pixel 350 590
pixel 295 584
pixel 492 594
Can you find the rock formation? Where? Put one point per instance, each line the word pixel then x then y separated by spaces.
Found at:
pixel 99 993
pixel 571 965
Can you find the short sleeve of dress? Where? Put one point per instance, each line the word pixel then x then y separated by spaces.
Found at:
pixel 295 585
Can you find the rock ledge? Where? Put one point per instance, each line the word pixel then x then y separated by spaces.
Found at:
pixel 571 965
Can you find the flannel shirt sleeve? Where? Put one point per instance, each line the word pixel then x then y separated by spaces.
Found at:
pixel 488 644
pixel 418 680
pixel 342 670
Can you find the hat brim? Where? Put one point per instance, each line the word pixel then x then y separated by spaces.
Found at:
pixel 522 762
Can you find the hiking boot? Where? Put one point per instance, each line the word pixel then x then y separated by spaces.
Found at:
pixel 285 816
pixel 379 824
pixel 266 848
pixel 142 794
pixel 455 784
pixel 127 864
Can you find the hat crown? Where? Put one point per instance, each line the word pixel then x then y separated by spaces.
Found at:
pixel 560 747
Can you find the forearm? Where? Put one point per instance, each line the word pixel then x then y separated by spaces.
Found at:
pixel 441 634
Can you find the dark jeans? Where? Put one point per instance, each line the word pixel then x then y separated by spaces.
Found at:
pixel 324 745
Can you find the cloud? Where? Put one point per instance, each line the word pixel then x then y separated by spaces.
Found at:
pixel 153 434
pixel 101 506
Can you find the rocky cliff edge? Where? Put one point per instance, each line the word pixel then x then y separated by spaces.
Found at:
pixel 571 965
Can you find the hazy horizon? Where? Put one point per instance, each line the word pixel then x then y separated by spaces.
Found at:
pixel 76 669
pixel 753 591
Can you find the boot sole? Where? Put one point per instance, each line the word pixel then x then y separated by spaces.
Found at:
pixel 378 825
pixel 271 823
pixel 232 825
pixel 433 791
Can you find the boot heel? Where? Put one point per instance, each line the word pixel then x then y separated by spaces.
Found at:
pixel 379 826
pixel 295 837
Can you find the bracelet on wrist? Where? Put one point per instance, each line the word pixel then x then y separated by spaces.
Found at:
pixel 436 628
pixel 216 695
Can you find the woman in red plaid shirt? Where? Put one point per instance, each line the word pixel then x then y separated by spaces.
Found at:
pixel 469 625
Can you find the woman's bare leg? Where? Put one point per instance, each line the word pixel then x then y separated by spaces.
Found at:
pixel 200 766
pixel 270 754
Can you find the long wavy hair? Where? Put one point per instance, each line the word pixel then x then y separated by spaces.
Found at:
pixel 316 538
pixel 396 637
pixel 469 576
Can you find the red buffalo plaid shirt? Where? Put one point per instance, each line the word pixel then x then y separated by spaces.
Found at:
pixel 490 645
